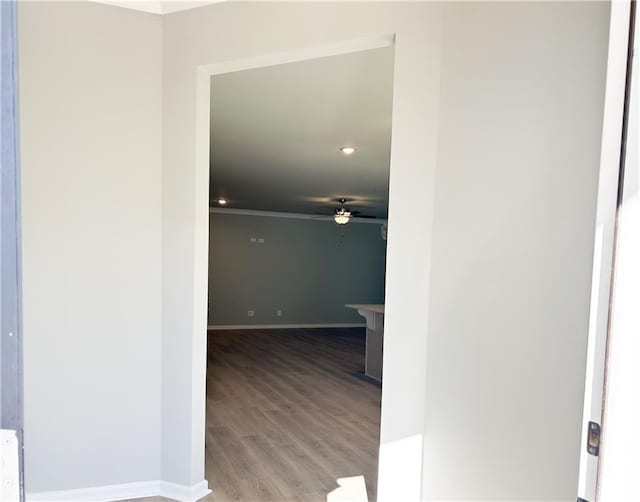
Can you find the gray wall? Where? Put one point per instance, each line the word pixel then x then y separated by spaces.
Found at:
pixel 307 268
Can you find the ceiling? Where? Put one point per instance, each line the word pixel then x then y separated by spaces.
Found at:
pixel 276 134
pixel 156 7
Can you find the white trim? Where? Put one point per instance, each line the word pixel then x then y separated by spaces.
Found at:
pixel 603 247
pixel 200 196
pixel 298 216
pixel 184 493
pixel 126 491
pixel 225 327
pixel 100 493
pixel 295 56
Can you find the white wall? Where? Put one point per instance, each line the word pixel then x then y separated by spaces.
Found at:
pixel 229 31
pixel 90 80
pixel 517 154
pixel 518 158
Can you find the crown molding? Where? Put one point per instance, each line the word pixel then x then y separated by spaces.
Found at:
pixel 297 216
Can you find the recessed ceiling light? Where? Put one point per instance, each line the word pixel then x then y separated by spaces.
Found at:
pixel 222 202
pixel 347 150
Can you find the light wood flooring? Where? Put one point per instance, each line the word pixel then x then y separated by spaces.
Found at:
pixel 287 415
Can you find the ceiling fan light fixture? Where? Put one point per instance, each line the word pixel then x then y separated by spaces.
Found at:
pixel 341 219
pixel 342 216
pixel 347 150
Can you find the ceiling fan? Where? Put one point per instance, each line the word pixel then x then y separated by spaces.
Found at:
pixel 343 214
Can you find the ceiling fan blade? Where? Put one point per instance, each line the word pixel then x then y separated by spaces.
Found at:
pixel 358 214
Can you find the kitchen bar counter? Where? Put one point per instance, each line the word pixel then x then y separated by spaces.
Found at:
pixel 374 315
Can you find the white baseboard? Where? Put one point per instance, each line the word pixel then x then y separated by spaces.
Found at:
pixel 219 327
pixel 125 491
pixel 184 493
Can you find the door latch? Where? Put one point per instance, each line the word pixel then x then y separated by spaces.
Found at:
pixel 593 439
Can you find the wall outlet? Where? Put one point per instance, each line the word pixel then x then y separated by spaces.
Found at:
pixel 279 313
pixel 253 239
pixel 250 313
pixel 260 240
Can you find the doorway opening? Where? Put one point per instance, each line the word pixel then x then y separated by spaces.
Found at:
pixel 299 183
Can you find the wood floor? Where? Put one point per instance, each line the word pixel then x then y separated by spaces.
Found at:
pixel 287 415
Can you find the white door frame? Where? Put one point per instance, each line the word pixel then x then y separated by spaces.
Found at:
pixel 203 98
pixel 604 241
pixel 619 463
